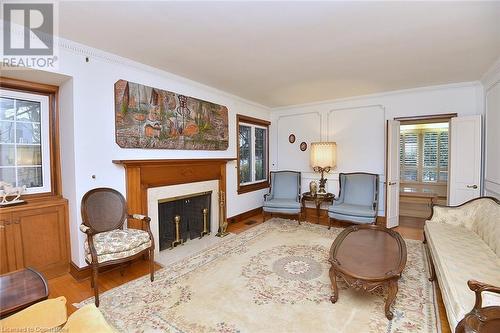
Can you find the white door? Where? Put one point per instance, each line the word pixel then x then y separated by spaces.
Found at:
pixel 465 159
pixel 392 175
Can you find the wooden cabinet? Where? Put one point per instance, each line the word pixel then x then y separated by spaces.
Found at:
pixel 35 235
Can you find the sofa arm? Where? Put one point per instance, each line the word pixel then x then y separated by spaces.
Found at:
pixel 490 298
pixel 458 216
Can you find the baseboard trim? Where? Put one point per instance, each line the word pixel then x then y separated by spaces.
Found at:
pixel 245 215
pixel 79 273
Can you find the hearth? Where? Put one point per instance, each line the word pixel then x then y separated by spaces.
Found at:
pixel 183 217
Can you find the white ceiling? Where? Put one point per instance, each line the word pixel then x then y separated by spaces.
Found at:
pixel 284 53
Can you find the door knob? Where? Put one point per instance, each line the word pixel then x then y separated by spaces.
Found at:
pixel 472 186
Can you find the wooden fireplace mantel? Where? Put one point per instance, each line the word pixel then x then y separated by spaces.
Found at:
pixel 143 174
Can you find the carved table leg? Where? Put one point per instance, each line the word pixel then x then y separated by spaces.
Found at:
pixel 318 206
pixel 333 279
pixel 393 290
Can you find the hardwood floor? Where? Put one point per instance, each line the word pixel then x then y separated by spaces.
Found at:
pixel 75 291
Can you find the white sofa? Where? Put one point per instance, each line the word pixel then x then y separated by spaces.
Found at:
pixel 464 244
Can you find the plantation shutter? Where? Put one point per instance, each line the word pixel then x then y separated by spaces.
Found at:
pixel 430 156
pixel 424 155
pixel 443 156
pixel 409 156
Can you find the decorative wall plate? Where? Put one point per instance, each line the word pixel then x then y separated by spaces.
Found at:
pixel 303 146
pixel 291 138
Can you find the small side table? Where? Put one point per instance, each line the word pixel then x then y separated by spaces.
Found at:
pixel 20 289
pixel 318 200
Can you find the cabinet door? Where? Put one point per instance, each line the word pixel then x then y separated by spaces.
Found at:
pixel 4 258
pixel 42 239
pixel 10 258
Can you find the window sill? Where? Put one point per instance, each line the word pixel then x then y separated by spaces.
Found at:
pixel 252 187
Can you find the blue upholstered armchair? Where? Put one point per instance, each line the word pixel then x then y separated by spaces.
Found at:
pixel 284 194
pixel 358 198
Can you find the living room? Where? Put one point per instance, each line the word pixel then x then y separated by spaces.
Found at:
pixel 163 153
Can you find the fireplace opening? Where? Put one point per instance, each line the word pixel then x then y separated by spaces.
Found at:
pixel 183 217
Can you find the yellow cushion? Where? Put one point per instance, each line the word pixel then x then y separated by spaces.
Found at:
pixel 41 316
pixel 87 319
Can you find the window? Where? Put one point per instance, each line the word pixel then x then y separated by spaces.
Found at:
pixel 424 153
pixel 253 148
pixel 25 140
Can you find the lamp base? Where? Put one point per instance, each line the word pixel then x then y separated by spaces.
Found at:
pixel 322 184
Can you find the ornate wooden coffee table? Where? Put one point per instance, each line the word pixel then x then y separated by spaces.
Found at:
pixel 368 257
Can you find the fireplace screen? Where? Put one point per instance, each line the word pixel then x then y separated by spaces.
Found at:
pixel 183 218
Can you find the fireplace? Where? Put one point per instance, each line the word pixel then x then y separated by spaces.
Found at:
pixel 183 217
pixel 150 181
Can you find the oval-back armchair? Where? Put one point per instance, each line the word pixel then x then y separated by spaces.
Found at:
pixel 104 212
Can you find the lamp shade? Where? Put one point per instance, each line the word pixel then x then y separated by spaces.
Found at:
pixel 324 154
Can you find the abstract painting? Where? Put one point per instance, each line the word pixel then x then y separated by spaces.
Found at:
pixel 147 117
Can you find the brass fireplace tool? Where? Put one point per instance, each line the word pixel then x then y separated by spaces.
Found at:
pixel 223 222
pixel 178 239
pixel 205 223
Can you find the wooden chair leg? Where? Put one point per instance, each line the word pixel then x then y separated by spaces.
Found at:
pixel 95 273
pixel 263 216
pixel 299 216
pixel 152 264
pixel 329 223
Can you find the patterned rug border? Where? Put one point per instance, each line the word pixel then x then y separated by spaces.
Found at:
pixel 204 256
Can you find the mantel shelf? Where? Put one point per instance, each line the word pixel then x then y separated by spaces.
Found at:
pixel 174 161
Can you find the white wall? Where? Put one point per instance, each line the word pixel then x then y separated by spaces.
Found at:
pixel 358 126
pixel 88 128
pixel 491 82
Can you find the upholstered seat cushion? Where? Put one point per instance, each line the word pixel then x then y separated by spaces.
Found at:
pixel 351 209
pixel 460 255
pixel 282 203
pixel 117 244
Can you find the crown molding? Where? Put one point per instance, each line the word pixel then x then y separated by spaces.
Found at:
pixel 492 75
pixel 379 95
pixel 88 51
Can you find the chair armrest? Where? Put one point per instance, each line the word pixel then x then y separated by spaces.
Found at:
pixel 143 218
pixel 87 230
pixel 478 288
pixel 146 220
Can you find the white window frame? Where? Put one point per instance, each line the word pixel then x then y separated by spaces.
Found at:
pixel 252 153
pixel 44 137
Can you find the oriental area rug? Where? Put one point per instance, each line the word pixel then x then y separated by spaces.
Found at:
pixel 271 278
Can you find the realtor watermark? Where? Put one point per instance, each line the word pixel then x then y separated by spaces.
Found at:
pixel 28 30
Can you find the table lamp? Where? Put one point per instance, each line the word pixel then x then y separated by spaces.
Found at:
pixel 323 159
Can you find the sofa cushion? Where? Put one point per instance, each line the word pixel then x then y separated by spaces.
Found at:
pixel 43 316
pixel 460 255
pixel 87 319
pixel 354 210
